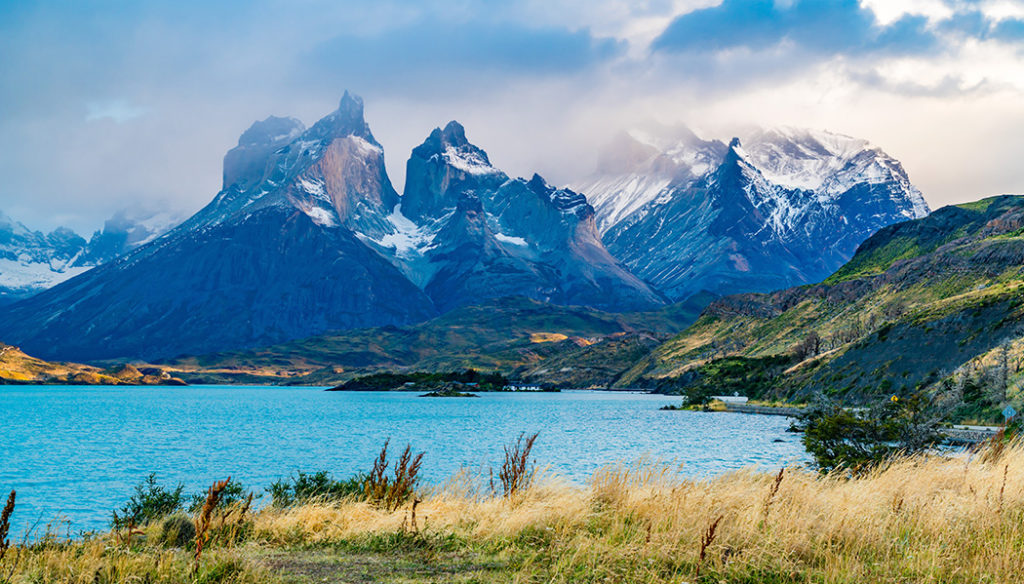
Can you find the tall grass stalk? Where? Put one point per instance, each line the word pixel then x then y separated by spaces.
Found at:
pixel 5 544
pixel 5 524
pixel 387 492
pixel 517 472
pixel 916 519
pixel 205 518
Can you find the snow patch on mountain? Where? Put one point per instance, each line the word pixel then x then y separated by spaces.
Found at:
pixel 321 216
pixel 315 188
pixel 510 239
pixel 23 276
pixel 468 161
pixel 409 239
pixel 639 168
pixel 616 197
pixel 365 146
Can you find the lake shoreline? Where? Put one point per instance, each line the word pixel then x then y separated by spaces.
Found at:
pixel 91 445
pixel 626 523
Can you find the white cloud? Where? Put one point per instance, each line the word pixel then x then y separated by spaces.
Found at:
pixel 999 10
pixel 889 11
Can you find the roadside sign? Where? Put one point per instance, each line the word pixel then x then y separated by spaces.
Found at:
pixel 1009 412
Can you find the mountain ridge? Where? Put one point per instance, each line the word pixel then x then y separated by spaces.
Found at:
pixel 300 240
pixel 924 304
pixel 309 235
pixel 785 207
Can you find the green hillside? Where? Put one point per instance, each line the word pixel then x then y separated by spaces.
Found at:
pixel 507 335
pixel 932 303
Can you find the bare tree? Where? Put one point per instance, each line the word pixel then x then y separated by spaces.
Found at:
pixel 1000 373
pixel 809 347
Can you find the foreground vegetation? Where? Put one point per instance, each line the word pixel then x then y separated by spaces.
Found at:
pixel 924 518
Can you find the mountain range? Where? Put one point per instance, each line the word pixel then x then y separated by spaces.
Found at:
pixel 32 261
pixel 308 235
pixel 785 207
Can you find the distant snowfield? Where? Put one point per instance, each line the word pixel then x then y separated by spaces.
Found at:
pixel 24 277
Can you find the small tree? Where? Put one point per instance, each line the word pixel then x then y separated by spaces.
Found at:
pixel 809 347
pixel 839 437
pixel 1000 374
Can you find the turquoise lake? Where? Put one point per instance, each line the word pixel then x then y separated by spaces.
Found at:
pixel 74 453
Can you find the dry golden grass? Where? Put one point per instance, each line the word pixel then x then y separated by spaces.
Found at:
pixel 99 561
pixel 923 519
pixel 916 520
pixel 547 337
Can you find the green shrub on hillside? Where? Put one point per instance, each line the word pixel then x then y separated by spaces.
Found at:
pixel 754 377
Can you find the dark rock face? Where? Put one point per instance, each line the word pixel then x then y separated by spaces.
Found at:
pixel 245 164
pixel 491 236
pixel 443 167
pixel 233 285
pixel 308 235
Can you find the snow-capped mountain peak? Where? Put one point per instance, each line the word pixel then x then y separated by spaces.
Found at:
pixel 333 172
pixel 638 167
pixel 443 167
pixel 31 261
pixel 784 196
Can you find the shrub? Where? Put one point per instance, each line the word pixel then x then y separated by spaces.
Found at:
pixel 397 381
pixel 149 502
pixel 318 486
pixel 233 494
pixel 176 531
pixel 842 438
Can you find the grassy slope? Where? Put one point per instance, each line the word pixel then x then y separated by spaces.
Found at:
pixel 506 335
pixel 16 368
pixel 916 520
pixel 918 300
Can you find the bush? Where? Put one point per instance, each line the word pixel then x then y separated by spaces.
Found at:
pixel 397 381
pixel 177 531
pixel 842 438
pixel 233 494
pixel 149 502
pixel 318 486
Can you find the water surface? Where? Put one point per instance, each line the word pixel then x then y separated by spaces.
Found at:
pixel 75 452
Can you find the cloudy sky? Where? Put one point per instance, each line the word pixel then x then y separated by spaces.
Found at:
pixel 112 104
